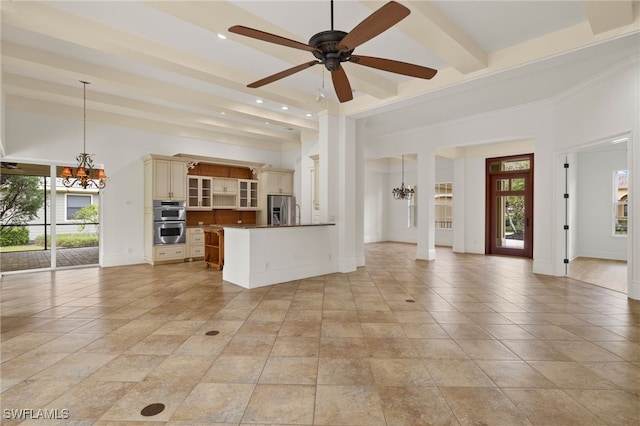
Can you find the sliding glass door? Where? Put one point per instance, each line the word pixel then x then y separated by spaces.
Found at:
pixel 33 214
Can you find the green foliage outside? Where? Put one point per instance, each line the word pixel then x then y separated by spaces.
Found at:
pixel 20 199
pixel 88 216
pixel 69 240
pixel 14 236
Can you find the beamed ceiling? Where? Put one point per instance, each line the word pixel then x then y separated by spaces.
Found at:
pixel 161 66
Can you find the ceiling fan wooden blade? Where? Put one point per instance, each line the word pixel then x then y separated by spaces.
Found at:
pixel 282 74
pixel 393 66
pixel 341 85
pixel 376 23
pixel 271 38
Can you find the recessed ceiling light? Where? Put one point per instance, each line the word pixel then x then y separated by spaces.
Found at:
pixel 308 114
pixel 222 36
pixel 259 101
pixel 266 122
pixel 284 107
pixel 223 113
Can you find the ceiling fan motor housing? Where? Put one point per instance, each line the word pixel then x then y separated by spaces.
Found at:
pixel 329 54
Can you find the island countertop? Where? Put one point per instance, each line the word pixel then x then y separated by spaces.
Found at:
pixel 254 226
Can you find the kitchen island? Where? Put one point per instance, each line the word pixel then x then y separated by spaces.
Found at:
pixel 262 255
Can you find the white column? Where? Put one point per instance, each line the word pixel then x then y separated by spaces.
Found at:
pixel 337 151
pixel 426 190
pixel 359 210
pixel 633 237
pixel 459 196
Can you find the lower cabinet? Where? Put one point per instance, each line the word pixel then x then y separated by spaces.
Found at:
pixel 214 248
pixel 168 252
pixel 195 243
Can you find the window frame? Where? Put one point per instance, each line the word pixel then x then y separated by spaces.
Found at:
pixel 617 204
pixel 66 205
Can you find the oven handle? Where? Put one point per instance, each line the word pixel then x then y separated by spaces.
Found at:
pixel 170 222
pixel 169 208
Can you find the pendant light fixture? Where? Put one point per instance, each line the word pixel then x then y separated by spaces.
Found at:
pixel 85 175
pixel 404 192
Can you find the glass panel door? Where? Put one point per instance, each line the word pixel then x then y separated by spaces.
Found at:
pixel 510 206
pixel 24 207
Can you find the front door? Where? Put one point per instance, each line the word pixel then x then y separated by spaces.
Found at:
pixel 510 206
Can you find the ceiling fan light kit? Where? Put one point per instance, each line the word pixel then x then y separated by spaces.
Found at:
pixel 331 48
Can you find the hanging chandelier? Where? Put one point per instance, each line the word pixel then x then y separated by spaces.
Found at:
pixel 404 192
pixel 85 175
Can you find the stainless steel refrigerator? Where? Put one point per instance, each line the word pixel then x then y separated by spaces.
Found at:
pixel 281 210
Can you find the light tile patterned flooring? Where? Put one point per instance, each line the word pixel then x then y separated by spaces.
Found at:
pixel 464 339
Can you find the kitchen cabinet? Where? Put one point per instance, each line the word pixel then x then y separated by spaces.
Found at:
pixel 225 192
pixel 200 193
pixel 277 182
pixel 214 247
pixel 195 244
pixel 225 186
pixel 169 252
pixel 247 194
pixel 169 179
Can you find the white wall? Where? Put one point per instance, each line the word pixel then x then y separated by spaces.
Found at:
pixel 47 139
pixel 595 203
pixel 375 201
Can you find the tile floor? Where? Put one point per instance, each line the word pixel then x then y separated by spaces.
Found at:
pixel 464 339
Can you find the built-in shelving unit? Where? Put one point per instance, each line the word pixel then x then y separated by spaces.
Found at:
pixel 214 247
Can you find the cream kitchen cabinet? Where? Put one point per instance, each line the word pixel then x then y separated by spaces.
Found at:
pixel 200 193
pixel 247 194
pixel 225 192
pixel 169 253
pixel 195 243
pixel 225 186
pixel 277 182
pixel 168 179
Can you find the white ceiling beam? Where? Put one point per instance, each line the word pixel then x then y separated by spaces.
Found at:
pixel 215 16
pixel 54 109
pixel 52 22
pixel 144 86
pixel 437 33
pixel 606 15
pixel 72 96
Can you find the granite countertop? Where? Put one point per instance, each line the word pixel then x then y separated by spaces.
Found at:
pixel 253 226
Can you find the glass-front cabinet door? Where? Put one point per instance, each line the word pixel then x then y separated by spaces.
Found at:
pixel 247 194
pixel 200 193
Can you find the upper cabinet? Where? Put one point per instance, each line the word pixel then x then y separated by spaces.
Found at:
pixel 225 192
pixel 168 178
pixel 277 182
pixel 247 194
pixel 200 193
pixel 225 186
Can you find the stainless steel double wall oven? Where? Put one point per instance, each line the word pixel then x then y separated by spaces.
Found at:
pixel 169 222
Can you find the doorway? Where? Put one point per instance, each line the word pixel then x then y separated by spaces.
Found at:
pixel 509 206
pixel 597 180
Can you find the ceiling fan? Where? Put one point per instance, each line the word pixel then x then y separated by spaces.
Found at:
pixel 333 47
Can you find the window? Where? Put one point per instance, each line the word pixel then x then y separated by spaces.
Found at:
pixel 75 203
pixel 620 196
pixel 443 203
